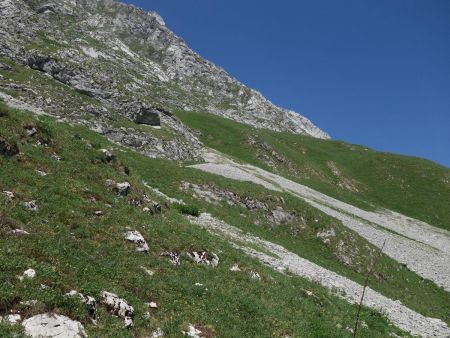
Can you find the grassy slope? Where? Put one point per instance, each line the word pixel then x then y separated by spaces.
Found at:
pixel 392 278
pixel 70 248
pixel 415 187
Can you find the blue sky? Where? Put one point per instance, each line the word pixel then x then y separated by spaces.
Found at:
pixel 373 72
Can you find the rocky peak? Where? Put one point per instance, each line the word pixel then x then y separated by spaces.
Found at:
pixel 123 58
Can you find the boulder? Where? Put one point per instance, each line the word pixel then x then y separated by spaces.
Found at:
pixel 158 333
pixel 123 188
pixel 136 237
pixel 280 216
pixel 11 319
pixel 118 307
pixel 19 232
pixel 204 257
pixel 255 275
pixel 28 274
pixel 49 325
pixel 326 234
pixel 31 205
pixel 9 195
pixel 108 155
pixel 30 131
pixel 148 116
pixel 174 257
pixel 147 271
pixel 47 8
pixel 192 332
pixel 235 268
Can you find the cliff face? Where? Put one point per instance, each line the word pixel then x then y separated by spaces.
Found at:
pixel 123 59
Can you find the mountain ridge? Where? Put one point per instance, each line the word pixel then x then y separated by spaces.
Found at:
pixel 114 43
pixel 145 193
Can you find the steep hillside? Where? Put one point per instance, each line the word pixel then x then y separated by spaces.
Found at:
pixel 144 192
pixel 73 237
pixel 352 173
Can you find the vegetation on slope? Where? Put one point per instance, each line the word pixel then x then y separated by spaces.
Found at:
pixel 369 179
pixel 72 247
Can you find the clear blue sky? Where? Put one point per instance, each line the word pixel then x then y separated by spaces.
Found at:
pixel 372 72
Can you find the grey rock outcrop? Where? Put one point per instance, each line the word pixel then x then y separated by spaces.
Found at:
pixel 203 257
pixel 147 116
pixel 136 238
pixel 174 257
pixel 123 188
pixel 118 307
pixel 51 325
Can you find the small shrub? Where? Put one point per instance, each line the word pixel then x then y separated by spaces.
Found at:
pixel 3 113
pixel 187 209
pixel 45 132
pixel 8 149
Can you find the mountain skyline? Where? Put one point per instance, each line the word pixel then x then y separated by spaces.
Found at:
pixel 381 65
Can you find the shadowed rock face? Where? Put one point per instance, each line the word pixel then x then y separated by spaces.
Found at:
pixel 122 58
pixel 147 116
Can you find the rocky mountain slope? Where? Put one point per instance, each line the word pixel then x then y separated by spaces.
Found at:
pixel 127 61
pixel 146 193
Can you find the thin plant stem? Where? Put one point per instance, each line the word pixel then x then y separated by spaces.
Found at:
pixel 369 272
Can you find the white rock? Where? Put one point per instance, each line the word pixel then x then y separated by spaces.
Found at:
pixel 204 257
pixel 50 325
pixel 235 267
pixel 174 257
pixel 89 51
pixel 152 305
pixel 147 271
pixel 108 154
pixel 29 274
pixel 11 319
pixel 136 237
pixel 118 307
pixel 123 188
pixel 158 333
pixel 9 195
pixel 41 173
pixel 128 322
pixel 56 157
pixel 31 131
pixel 326 234
pixel 255 275
pixel 192 332
pixel 19 232
pixel 32 205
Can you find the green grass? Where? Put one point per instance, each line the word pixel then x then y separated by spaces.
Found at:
pixel 71 248
pixel 392 279
pixel 415 187
pixel 187 209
